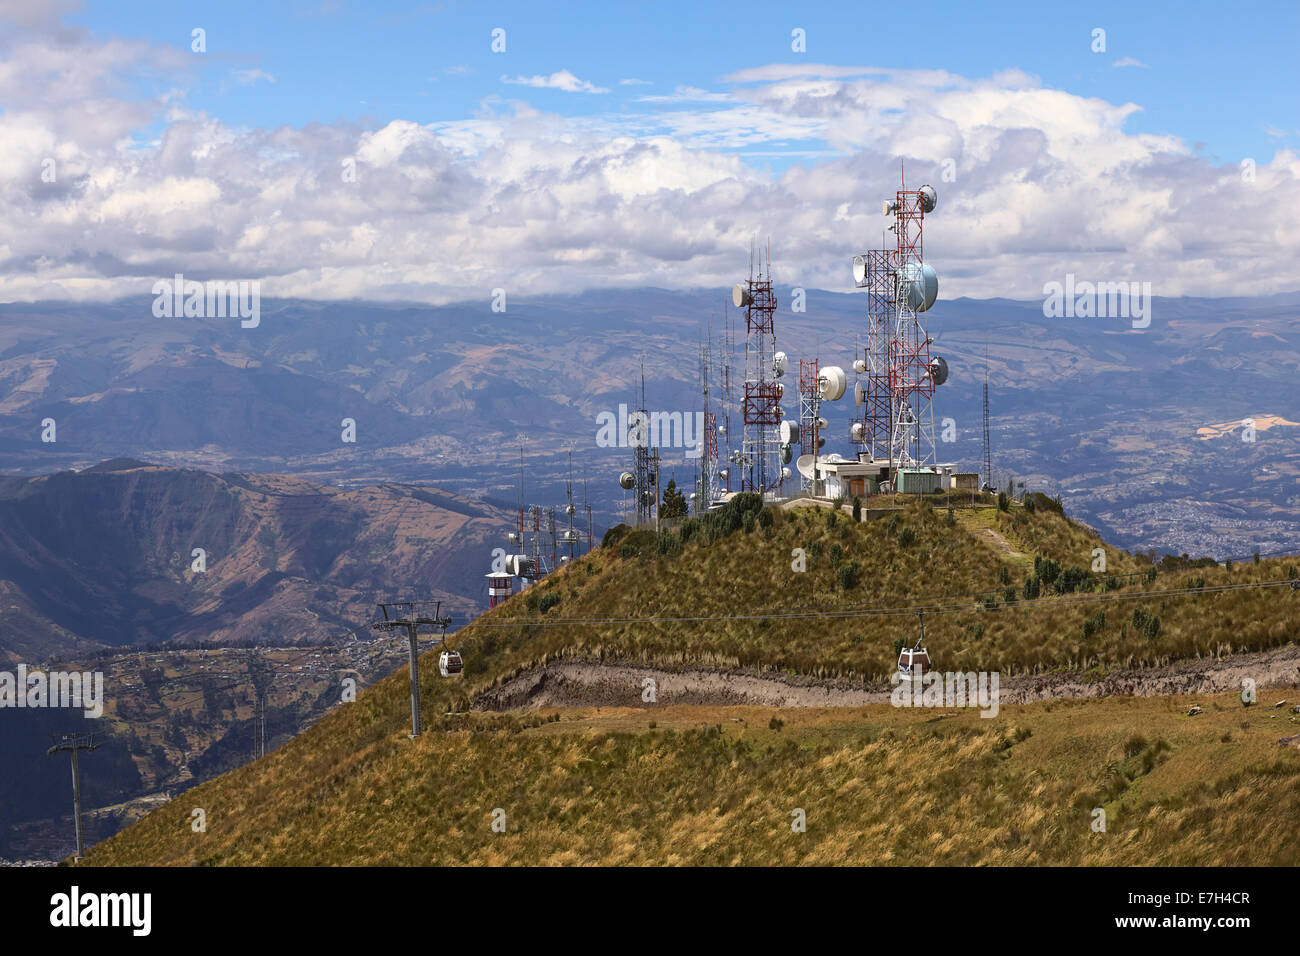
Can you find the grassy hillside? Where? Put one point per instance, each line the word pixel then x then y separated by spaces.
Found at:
pixel 718 785
pixel 914 558
pixel 694 785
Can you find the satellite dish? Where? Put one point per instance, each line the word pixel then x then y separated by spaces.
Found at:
pixel 722 429
pixel 859 394
pixel 570 509
pixel 929 198
pixel 789 433
pixel 785 473
pixel 780 389
pixel 887 207
pixel 831 382
pixel 805 465
pixel 722 472
pixel 857 431
pixel 780 362
pixel 859 270
pixel 821 441
pixel 786 454
pixel 627 480
pixel 740 296
pixel 822 424
pixel 513 537
pixel 938 370
pixel 918 285
pixel 859 366
pixel 692 496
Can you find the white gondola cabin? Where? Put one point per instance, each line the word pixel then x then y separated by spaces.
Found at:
pixel 450 664
pixel 913 663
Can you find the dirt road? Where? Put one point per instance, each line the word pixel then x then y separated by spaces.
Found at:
pixel 578 684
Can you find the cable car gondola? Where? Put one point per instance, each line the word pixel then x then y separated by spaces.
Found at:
pixel 914 662
pixel 450 663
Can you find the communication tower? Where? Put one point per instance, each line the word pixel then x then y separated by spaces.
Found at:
pixel 761 407
pixel 643 479
pixel 810 423
pixel 913 374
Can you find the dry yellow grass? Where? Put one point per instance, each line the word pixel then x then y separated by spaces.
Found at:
pixel 718 786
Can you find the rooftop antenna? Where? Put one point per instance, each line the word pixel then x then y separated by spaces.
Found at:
pixel 74 744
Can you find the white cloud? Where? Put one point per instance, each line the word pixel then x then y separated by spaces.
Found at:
pixel 1047 182
pixel 633 81
pixel 249 77
pixel 562 80
pixel 1128 61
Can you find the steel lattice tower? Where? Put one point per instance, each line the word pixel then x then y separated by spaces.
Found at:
pixel 910 381
pixel 810 406
pixel 877 414
pixel 761 470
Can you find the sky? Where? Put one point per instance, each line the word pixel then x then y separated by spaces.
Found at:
pixel 437 152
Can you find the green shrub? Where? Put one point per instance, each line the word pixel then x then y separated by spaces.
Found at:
pixel 906 538
pixel 848 576
pixel 548 601
pixel 857 510
pixel 669 544
pixel 614 535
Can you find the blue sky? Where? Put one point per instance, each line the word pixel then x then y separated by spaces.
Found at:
pixel 1217 74
pixel 339 150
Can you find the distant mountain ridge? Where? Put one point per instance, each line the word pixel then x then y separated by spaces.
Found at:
pixel 1091 408
pixel 106 556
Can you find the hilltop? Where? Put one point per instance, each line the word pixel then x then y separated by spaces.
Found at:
pixel 668 782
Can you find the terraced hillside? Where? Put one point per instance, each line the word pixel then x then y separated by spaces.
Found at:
pixel 706 783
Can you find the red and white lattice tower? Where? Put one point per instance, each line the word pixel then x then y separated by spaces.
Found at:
pixel 759 457
pixel 900 288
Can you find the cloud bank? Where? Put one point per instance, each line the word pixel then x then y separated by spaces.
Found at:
pixel 105 190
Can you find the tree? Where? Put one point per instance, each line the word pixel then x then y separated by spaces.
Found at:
pixel 674 505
